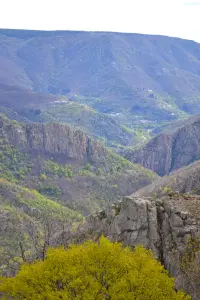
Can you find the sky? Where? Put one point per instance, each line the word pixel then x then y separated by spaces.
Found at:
pixel 179 18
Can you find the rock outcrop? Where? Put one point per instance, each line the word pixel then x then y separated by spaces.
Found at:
pixel 53 139
pixel 164 226
pixel 169 150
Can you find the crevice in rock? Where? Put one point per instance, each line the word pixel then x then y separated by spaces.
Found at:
pixel 159 214
pixel 88 149
pixel 148 225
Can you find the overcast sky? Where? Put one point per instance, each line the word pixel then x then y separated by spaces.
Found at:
pixel 178 18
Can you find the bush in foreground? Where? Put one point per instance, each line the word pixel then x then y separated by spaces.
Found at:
pixel 93 270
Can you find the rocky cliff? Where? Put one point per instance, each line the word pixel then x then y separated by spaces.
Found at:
pixel 52 139
pixel 170 150
pixel 163 225
pixel 67 165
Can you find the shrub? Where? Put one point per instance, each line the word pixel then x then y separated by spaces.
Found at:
pixel 53 168
pixel 50 190
pixel 99 172
pixel 43 177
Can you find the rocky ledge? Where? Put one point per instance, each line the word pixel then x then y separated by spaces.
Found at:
pixel 163 225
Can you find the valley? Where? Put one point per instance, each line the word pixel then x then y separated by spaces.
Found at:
pixel 99 134
pixel 111 73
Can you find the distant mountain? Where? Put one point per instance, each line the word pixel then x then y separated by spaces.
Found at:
pixel 27 106
pixel 154 79
pixel 173 149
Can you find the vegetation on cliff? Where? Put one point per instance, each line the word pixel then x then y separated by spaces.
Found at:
pixel 50 176
pixel 65 164
pixel 101 126
pixel 28 222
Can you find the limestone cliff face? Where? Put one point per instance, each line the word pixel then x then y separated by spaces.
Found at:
pixel 163 225
pixel 52 138
pixel 156 155
pixel 169 151
pixel 133 221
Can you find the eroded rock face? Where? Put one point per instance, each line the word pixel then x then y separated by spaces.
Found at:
pixel 57 139
pixel 169 151
pixel 133 221
pixel 156 155
pixel 163 226
pixel 176 226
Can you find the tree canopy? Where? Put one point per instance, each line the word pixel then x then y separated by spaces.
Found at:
pixel 93 270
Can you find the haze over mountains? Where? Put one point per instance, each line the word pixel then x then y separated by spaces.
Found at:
pixel 139 80
pixel 119 88
pixel 62 62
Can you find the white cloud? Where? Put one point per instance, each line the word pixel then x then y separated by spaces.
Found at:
pixel 167 17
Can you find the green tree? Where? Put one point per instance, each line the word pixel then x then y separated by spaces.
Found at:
pixel 93 270
pixel 99 172
pixel 88 167
pixel 43 177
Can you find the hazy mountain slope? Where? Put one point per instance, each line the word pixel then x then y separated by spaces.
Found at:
pixel 175 125
pixel 144 75
pixel 170 150
pixel 17 98
pixel 28 106
pixel 99 125
pixel 66 165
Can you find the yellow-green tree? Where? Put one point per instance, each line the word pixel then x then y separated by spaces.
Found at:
pixel 93 270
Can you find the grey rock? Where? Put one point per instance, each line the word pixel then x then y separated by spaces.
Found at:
pixel 176 221
pixel 170 150
pixel 161 226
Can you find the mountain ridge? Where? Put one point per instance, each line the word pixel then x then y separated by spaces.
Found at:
pixel 109 66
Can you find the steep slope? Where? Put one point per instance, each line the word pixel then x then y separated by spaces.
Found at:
pixel 29 222
pixel 99 125
pixel 66 165
pixel 169 150
pixel 148 76
pixel 183 180
pixel 175 125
